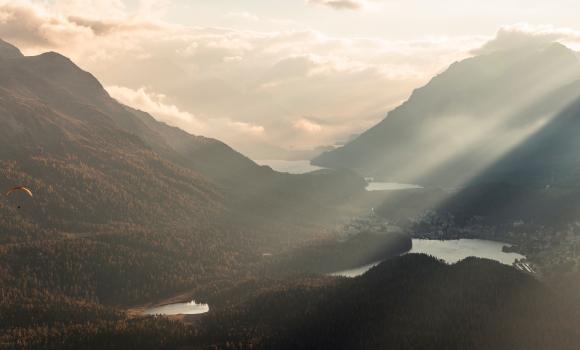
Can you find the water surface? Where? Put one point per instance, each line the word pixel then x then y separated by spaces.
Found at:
pixel 356 271
pixel 390 186
pixel 290 166
pixel 191 308
pixel 304 166
pixel 453 251
pixel 450 251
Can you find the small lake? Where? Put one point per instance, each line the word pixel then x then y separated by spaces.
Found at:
pixel 304 166
pixel 191 308
pixel 450 251
pixel 290 166
pixel 390 186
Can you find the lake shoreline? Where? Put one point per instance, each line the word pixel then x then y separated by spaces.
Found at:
pixel 458 255
pixel 451 257
pixel 139 310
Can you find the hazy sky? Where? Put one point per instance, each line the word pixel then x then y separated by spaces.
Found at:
pixel 269 74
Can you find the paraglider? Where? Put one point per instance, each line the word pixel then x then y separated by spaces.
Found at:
pixel 22 189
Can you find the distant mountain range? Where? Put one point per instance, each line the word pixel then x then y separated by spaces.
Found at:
pixel 468 118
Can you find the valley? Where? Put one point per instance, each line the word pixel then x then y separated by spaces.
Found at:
pixel 139 235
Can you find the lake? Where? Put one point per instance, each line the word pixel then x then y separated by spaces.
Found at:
pixel 455 250
pixel 304 166
pixel 290 166
pixel 390 186
pixel 191 308
pixel 450 251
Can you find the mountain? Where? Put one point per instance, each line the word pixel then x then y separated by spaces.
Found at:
pixel 538 181
pixel 127 209
pixel 411 302
pixel 550 156
pixel 465 119
pixel 8 51
pixel 84 154
pixel 55 80
pixel 57 119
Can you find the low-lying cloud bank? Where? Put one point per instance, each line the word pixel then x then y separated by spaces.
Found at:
pixel 262 92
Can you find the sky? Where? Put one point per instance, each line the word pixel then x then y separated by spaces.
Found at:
pixel 277 78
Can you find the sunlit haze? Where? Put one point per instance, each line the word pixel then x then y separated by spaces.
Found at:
pixel 289 174
pixel 276 79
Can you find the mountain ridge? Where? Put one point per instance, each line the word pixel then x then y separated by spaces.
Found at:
pixel 126 202
pixel 490 92
pixel 9 51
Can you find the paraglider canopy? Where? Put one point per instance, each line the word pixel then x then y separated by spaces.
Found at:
pixel 20 189
pixel 23 189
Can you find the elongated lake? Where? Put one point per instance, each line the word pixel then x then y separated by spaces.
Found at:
pixel 450 251
pixel 455 250
pixel 290 166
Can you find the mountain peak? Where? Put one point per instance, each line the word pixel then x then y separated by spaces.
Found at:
pixel 561 49
pixel 9 51
pixel 505 92
pixel 55 56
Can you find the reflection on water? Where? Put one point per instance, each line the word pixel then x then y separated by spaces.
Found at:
pixel 304 166
pixel 451 252
pixel 191 308
pixel 355 272
pixel 390 186
pixel 290 166
pixel 456 250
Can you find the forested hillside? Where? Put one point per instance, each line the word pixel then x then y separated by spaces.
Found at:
pixel 127 210
pixel 413 302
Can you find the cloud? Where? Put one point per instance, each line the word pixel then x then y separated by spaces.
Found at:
pixel 306 125
pixel 244 15
pixel 525 35
pixel 97 8
pixel 105 27
pixel 157 105
pixel 248 128
pixel 247 88
pixel 153 103
pixel 340 4
pixel 39 25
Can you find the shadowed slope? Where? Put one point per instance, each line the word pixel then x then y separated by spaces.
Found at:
pixel 412 302
pixel 538 181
